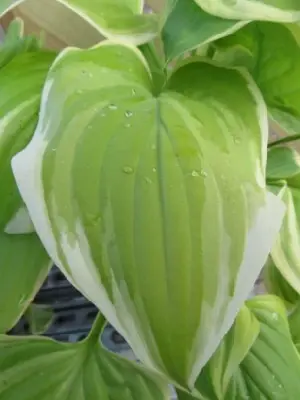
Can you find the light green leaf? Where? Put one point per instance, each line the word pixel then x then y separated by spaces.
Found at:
pixel 40 368
pixel 294 323
pixel 271 369
pixel 189 27
pixel 24 265
pixel 283 175
pixel 119 19
pixel 16 43
pixel 276 284
pixel 19 107
pixel 39 318
pixel 215 377
pixel 272 55
pixel 174 157
pixel 270 10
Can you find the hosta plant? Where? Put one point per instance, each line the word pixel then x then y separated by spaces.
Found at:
pixel 139 160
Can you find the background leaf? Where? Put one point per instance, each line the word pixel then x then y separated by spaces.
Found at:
pixel 272 55
pixel 189 27
pixel 19 107
pixel 283 177
pixel 272 10
pixel 40 368
pixel 114 19
pixel 39 317
pixel 271 368
pixel 24 265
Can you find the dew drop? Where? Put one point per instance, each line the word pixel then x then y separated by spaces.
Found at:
pixel 148 180
pixel 128 114
pixel 195 173
pixel 112 107
pixel 274 316
pixel 154 169
pixel 127 125
pixel 236 140
pixel 133 91
pixel 203 173
pixel 127 170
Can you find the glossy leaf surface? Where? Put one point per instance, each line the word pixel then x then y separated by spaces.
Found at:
pixel 174 157
pixel 19 106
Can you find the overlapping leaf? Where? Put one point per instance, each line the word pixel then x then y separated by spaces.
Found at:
pixel 271 52
pixel 24 265
pixel 271 368
pixel 120 19
pixel 23 261
pixel 283 174
pixel 40 368
pixel 271 10
pixel 215 377
pixel 188 27
pixel 39 318
pixel 276 284
pixel 131 191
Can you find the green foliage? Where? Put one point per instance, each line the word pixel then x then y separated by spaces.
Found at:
pixel 141 167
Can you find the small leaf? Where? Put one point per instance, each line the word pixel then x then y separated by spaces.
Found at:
pixel 40 368
pixel 271 369
pixel 189 27
pixel 24 265
pixel 115 19
pixel 271 10
pixel 276 284
pixel 39 318
pixel 283 177
pixel 218 372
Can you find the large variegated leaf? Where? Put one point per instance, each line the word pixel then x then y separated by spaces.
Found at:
pixel 283 174
pixel 270 10
pixel 189 27
pixel 24 265
pixel 272 54
pixel 154 206
pixel 271 369
pixel 121 19
pixel 39 368
pixel 19 107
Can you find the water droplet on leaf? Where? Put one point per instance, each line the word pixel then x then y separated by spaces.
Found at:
pixel 133 91
pixel 203 173
pixel 112 107
pixel 195 173
pixel 148 180
pixel 128 114
pixel 154 169
pixel 127 170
